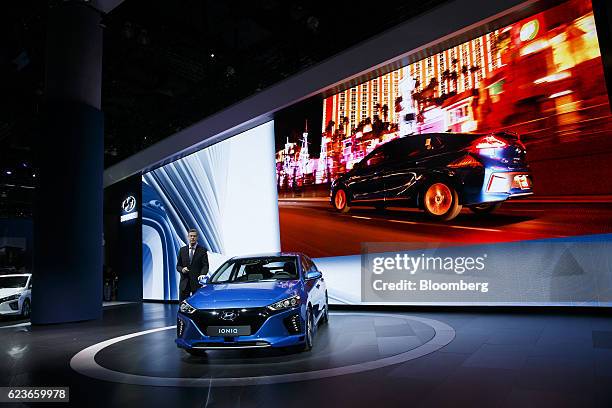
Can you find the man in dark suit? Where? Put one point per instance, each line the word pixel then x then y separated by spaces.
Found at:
pixel 192 263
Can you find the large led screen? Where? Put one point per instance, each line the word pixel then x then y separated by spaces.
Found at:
pixel 476 175
pixel 225 191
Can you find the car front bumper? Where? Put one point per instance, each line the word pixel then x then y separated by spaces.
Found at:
pixel 273 332
pixel 10 308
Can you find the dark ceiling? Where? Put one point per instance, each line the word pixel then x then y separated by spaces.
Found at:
pixel 169 64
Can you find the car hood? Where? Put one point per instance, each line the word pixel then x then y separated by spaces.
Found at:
pixel 4 292
pixel 242 295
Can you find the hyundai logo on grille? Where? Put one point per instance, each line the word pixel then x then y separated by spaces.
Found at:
pixel 229 315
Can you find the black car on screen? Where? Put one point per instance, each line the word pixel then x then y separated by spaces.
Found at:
pixel 439 173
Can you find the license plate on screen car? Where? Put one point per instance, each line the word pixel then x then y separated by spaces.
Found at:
pixel 522 180
pixel 228 331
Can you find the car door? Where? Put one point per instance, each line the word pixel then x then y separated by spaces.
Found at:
pixel 320 287
pixel 364 181
pixel 402 171
pixel 313 286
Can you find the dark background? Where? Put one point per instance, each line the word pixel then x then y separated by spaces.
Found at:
pixel 290 122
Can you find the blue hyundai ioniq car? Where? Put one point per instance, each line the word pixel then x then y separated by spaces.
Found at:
pixel 274 300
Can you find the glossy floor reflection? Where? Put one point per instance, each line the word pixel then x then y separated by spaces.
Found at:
pixel 496 359
pixel 346 340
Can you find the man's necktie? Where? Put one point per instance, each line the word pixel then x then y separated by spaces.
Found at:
pixel 191 249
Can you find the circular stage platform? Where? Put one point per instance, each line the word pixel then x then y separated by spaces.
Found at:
pixel 350 343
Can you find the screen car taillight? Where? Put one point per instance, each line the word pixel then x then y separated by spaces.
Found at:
pixel 490 142
pixel 465 161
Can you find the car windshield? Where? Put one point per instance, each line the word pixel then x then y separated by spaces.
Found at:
pixel 13 282
pixel 256 270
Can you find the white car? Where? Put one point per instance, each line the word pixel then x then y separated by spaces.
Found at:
pixel 15 295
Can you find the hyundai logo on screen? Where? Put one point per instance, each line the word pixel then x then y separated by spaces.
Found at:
pixel 127 208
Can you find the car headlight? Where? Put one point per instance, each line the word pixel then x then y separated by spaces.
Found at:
pixel 186 308
pixel 12 297
pixel 288 303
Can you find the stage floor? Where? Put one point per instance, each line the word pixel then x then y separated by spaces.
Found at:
pixel 360 358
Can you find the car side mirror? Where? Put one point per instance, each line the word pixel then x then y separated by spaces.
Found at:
pixel 203 280
pixel 313 274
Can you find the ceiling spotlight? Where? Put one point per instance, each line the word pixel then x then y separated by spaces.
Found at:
pixel 8 172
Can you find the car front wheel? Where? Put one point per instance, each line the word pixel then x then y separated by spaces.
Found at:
pixel 25 309
pixel 441 201
pixel 325 317
pixel 341 200
pixel 308 341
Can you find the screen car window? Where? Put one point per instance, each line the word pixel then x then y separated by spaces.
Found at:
pixel 256 269
pixel 13 282
pixel 403 149
pixel 433 143
pixel 374 159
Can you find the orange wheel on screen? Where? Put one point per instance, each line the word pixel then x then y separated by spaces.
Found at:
pixel 441 201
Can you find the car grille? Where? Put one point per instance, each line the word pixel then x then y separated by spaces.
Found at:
pixel 254 317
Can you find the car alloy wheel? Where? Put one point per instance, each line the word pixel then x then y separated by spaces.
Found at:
pixel 341 200
pixel 441 202
pixel 25 309
pixel 325 318
pixel 309 331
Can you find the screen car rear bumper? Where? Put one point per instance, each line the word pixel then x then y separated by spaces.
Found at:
pixel 499 186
